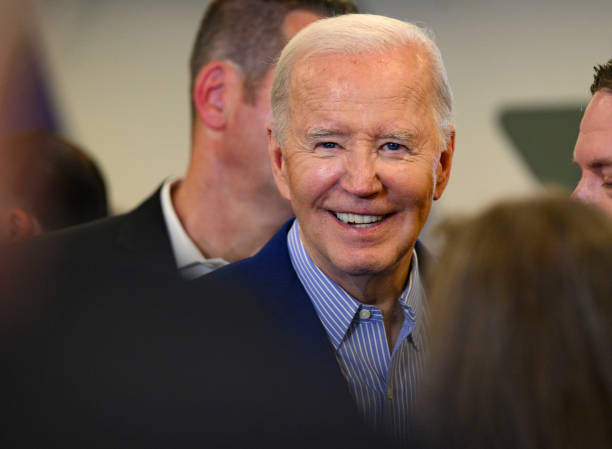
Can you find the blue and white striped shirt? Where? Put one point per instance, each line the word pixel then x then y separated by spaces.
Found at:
pixel 382 384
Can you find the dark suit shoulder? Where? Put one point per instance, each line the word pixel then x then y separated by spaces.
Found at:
pixel 99 233
pixel 139 236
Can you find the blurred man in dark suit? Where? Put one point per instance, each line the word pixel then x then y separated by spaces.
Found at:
pixel 226 206
pixel 145 360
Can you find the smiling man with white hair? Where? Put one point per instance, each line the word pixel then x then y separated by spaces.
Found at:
pixel 361 143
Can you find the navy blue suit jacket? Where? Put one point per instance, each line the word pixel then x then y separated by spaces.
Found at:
pixel 269 279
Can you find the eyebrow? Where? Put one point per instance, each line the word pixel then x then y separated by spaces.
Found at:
pixel 317 133
pixel 321 133
pixel 398 135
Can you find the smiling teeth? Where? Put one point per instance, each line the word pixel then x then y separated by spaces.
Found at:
pixel 360 221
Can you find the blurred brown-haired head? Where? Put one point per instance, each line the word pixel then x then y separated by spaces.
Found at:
pixel 522 336
pixel 48 183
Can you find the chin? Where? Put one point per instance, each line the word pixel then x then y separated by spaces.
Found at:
pixel 363 266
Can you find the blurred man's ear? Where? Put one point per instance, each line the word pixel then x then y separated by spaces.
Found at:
pixel 444 164
pixel 279 168
pixel 217 91
pixel 21 225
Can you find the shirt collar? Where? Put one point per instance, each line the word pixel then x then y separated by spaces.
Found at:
pixel 186 253
pixel 335 307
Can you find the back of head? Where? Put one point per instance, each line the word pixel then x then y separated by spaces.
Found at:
pixel 249 33
pixel 355 34
pixel 602 79
pixel 522 340
pixel 53 180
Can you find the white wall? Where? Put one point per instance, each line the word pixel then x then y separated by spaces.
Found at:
pixel 119 70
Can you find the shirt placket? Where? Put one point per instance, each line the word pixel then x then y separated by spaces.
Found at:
pixel 399 398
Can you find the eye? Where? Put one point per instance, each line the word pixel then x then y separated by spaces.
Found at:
pixel 328 145
pixel 392 146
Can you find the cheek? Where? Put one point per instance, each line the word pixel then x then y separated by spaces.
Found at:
pixel 410 185
pixel 312 178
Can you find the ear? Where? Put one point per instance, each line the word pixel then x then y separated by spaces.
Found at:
pixel 279 166
pixel 444 165
pixel 215 91
pixel 21 225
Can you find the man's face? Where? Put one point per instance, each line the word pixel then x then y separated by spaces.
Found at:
pixel 593 152
pixel 253 118
pixel 361 162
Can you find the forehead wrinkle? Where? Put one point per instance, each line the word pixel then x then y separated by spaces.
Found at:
pixel 303 92
pixel 307 73
pixel 308 92
pixel 332 98
pixel 420 93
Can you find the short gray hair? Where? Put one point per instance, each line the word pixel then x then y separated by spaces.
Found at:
pixel 350 35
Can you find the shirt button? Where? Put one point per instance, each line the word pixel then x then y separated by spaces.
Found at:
pixel 411 313
pixel 389 392
pixel 364 314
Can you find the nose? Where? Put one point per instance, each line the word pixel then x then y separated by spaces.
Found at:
pixel 360 176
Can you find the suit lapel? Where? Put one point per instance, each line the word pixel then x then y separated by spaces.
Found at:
pixel 291 313
pixel 425 259
pixel 144 234
pixel 285 298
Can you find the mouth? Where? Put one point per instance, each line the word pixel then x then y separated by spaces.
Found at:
pixel 358 220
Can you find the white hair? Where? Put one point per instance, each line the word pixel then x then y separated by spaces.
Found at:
pixel 353 34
